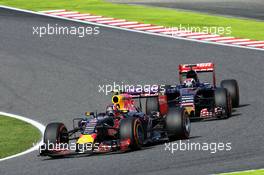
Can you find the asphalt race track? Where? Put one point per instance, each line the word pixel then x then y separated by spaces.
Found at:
pixel 56 78
pixel 238 8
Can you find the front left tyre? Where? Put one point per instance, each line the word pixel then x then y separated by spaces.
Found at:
pixel 233 89
pixel 55 133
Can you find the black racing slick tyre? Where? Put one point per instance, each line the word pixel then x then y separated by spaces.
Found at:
pixel 233 89
pixel 56 133
pixel 223 100
pixel 178 124
pixel 131 128
pixel 152 105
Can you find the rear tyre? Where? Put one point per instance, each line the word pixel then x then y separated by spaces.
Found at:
pixel 56 133
pixel 233 89
pixel 178 124
pixel 152 105
pixel 223 100
pixel 131 128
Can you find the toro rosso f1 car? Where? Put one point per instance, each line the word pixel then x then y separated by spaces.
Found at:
pixel 200 100
pixel 122 127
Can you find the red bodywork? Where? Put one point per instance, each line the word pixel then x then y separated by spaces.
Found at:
pixel 163 104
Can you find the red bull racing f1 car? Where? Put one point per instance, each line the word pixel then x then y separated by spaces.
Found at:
pixel 122 127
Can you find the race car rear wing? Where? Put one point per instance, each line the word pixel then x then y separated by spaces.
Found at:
pixel 199 68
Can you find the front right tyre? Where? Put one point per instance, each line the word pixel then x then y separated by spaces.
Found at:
pixel 178 123
pixel 131 128
pixel 233 89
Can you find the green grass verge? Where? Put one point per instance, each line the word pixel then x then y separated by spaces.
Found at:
pixel 16 136
pixel 167 17
pixel 251 172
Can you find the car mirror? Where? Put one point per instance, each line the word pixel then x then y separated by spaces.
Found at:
pixel 89 113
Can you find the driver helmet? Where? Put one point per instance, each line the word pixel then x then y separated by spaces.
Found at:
pixel 192 74
pixel 110 110
pixel 189 82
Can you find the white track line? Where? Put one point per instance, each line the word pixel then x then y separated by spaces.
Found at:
pixel 112 21
pixel 218 38
pixel 76 15
pixel 250 42
pixel 233 40
pixel 192 34
pixel 162 29
pixel 99 19
pixel 123 23
pixel 86 17
pixel 174 32
pixel 256 45
pixel 50 11
pixel 133 30
pixel 203 36
pixel 148 28
pixel 63 13
pixel 81 17
pixel 36 124
pixel 136 25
